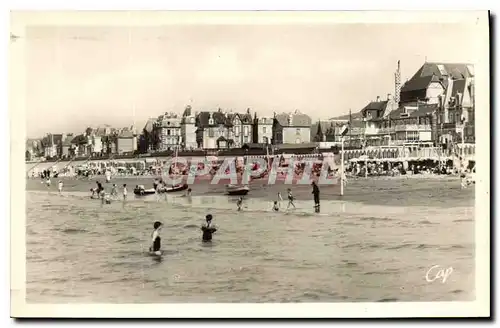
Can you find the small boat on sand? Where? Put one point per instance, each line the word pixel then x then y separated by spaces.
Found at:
pixel 233 190
pixel 141 191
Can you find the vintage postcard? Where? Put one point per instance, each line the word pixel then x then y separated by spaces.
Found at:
pixel 250 164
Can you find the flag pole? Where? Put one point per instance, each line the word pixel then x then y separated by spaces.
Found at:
pixel 342 167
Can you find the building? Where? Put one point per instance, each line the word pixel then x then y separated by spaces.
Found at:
pixel 167 129
pixel 188 129
pixel 291 128
pixel 67 148
pixel 262 129
pixel 146 140
pixel 52 145
pixel 451 87
pixel 214 130
pixel 242 127
pixel 126 141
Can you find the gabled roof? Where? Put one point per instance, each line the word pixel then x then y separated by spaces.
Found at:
pixel 297 119
pixel 354 116
pixel 149 125
pixel 219 118
pixel 422 110
pixel 376 105
pixel 436 72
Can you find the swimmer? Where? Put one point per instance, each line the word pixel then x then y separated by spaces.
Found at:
pixel 290 199
pixel 60 186
pixel 155 237
pixel 276 206
pixel 208 230
pixel 239 203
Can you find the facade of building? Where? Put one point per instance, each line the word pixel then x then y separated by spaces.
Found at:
pixel 168 131
pixel 242 128
pixel 262 129
pixel 291 128
pixel 214 130
pixel 126 141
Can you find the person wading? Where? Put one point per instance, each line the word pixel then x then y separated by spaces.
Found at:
pixel 315 193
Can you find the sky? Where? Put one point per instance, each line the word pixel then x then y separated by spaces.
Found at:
pixel 89 76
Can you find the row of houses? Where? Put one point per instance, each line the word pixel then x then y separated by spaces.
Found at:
pixel 221 129
pixel 435 107
pixel 100 141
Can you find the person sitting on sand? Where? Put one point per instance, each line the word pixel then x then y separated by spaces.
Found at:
pixel 207 229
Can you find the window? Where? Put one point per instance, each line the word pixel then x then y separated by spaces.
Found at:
pixel 246 139
pixel 264 130
pixel 297 132
pixel 245 128
pixel 297 141
pixel 211 133
pixel 168 132
pixel 237 131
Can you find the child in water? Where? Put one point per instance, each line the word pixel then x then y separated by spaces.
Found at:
pixel 276 207
pixel 60 186
pixel 239 203
pixel 207 229
pixel 155 237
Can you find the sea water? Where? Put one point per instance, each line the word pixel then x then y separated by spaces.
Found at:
pixel 382 241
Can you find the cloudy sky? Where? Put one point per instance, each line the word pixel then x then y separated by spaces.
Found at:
pixel 78 76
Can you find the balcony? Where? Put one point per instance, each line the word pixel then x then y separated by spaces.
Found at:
pixel 413 127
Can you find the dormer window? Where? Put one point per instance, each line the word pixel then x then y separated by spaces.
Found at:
pixel 211 120
pixel 442 70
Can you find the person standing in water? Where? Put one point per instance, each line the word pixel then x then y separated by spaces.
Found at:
pixel 280 198
pixel 315 193
pixel 114 191
pixel 207 229
pixel 155 237
pixel 290 199
pixel 125 192
pixel 60 186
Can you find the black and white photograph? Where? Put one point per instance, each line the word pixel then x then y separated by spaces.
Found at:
pixel 336 163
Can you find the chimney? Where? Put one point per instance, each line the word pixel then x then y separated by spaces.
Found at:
pixel 389 96
pixel 378 99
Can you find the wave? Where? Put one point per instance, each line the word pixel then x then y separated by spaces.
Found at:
pixel 71 230
pixel 463 220
pixel 427 222
pixel 128 240
pixel 388 300
pixel 372 218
